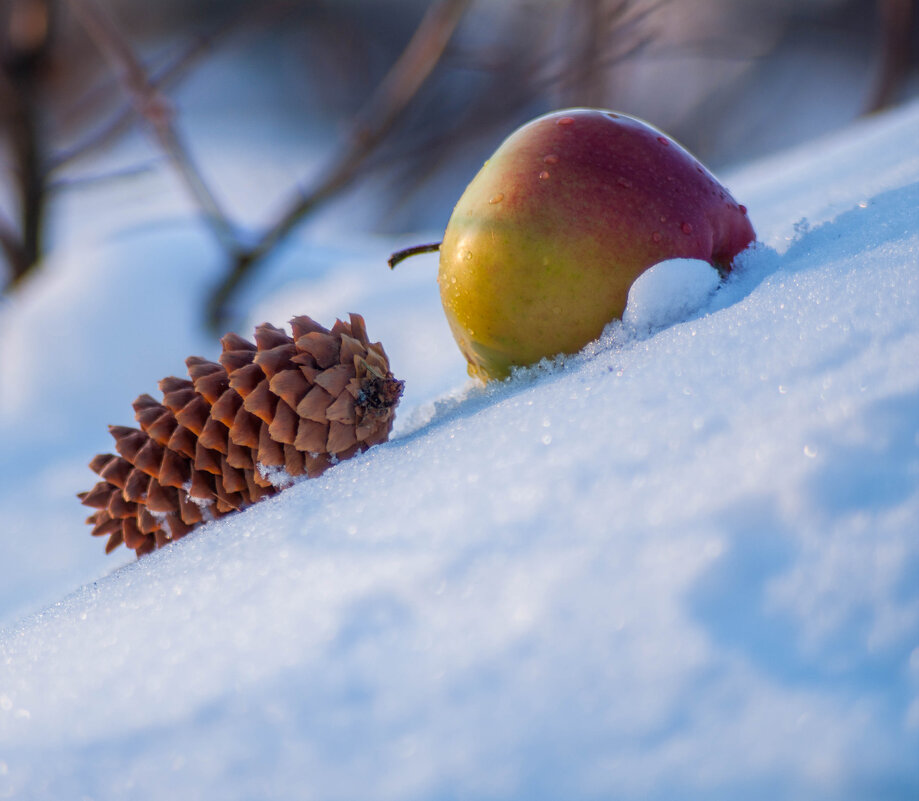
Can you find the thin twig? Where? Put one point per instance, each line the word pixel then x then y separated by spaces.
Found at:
pixel 584 77
pixel 123 117
pixel 414 250
pixel 19 98
pixel 129 172
pixel 401 84
pixel 896 18
pixel 620 21
pixel 156 110
pixel 166 76
pixel 12 249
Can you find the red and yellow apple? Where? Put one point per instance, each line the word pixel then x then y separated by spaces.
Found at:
pixel 542 247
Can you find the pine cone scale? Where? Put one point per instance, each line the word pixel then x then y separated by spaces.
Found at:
pixel 311 436
pixel 116 472
pixel 99 461
pixel 290 386
pixel 214 436
pixel 314 404
pixel 136 486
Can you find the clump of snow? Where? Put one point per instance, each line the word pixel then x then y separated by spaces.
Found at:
pixel 277 475
pixel 682 564
pixel 669 292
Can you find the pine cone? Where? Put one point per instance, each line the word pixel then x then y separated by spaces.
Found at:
pixel 240 430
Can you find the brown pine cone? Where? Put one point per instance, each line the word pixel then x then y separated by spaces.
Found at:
pixel 240 430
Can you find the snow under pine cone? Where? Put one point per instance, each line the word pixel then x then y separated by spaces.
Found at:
pixel 241 430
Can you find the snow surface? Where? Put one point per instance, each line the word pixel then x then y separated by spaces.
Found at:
pixel 683 564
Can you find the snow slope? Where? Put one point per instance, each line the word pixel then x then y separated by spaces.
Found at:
pixel 684 564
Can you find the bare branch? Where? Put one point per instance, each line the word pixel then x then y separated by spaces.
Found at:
pixel 12 250
pixel 155 108
pixel 122 118
pixel 606 24
pixel 166 76
pixel 401 84
pixel 111 176
pixel 896 18
pixel 19 99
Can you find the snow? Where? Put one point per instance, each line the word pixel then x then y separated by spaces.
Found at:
pixel 682 564
pixel 670 292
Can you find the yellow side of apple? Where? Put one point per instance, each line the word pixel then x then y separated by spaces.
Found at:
pixel 512 297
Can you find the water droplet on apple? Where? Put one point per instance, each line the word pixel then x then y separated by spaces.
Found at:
pixel 664 141
pixel 496 198
pixel 743 208
pixel 467 255
pixel 565 120
pixel 612 116
pixel 663 218
pixel 686 228
pixel 551 159
pixel 625 182
pixel 543 175
pixel 656 236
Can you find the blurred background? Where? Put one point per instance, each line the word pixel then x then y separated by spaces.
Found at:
pixel 380 111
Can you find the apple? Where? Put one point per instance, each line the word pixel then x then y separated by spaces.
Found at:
pixel 544 244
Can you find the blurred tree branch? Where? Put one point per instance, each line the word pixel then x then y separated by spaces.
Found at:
pixel 151 105
pixel 12 249
pixel 896 18
pixel 25 45
pixel 422 53
pixel 399 86
pixel 122 118
pixel 605 33
pixel 19 102
pixel 25 33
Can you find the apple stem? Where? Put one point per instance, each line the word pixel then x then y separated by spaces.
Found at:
pixel 401 255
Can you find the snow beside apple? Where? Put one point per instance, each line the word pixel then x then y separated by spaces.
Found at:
pixel 668 292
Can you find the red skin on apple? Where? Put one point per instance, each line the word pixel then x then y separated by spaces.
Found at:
pixel 542 247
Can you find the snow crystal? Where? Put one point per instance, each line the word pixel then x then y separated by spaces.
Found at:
pixel 276 474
